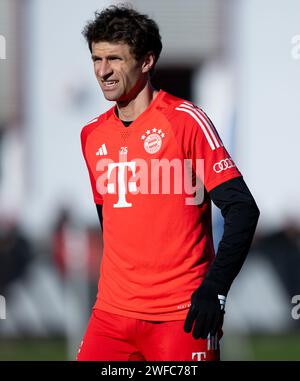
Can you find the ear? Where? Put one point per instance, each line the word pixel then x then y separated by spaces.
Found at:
pixel 148 62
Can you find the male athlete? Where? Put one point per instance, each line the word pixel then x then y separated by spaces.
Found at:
pixel 155 162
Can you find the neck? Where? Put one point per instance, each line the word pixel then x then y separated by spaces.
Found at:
pixel 130 110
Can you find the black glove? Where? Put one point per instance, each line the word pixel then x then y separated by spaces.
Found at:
pixel 207 311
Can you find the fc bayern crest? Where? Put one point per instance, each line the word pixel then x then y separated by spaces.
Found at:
pixel 153 140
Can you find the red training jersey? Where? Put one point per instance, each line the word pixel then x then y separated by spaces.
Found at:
pixel 153 179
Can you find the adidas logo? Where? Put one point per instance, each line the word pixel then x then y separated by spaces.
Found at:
pixel 102 151
pixel 222 300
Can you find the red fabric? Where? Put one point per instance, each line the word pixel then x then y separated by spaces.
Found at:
pixel 157 248
pixel 111 337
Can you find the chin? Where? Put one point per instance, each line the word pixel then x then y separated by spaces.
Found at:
pixel 111 97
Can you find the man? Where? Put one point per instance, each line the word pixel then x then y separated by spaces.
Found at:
pixel 162 291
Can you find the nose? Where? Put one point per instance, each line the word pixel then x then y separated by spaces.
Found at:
pixel 104 69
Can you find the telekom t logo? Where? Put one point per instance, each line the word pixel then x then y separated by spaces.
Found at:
pixel 198 356
pixel 121 168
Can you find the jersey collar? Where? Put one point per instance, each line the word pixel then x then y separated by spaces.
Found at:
pixel 138 121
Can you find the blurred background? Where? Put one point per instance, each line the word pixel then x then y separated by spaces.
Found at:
pixel 240 61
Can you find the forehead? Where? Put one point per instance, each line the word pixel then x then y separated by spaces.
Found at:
pixel 106 48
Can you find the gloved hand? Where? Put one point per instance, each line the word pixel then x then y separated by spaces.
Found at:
pixel 207 311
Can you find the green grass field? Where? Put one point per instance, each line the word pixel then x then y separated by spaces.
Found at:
pixel 276 347
pixel 33 349
pixel 252 348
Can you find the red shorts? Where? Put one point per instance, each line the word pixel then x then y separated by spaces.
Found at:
pixel 111 337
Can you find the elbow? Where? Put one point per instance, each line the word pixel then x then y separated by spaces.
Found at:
pixel 253 211
pixel 256 210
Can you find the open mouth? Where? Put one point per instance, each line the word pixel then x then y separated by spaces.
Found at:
pixel 109 84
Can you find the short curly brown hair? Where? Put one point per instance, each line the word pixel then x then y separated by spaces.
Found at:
pixel 121 23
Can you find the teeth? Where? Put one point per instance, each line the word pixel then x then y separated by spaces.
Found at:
pixel 110 83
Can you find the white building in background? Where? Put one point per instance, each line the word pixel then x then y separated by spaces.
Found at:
pixel 246 65
pixel 61 94
pixel 246 68
pixel 268 105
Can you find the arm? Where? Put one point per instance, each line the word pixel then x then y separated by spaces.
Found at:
pixel 99 211
pixel 240 214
